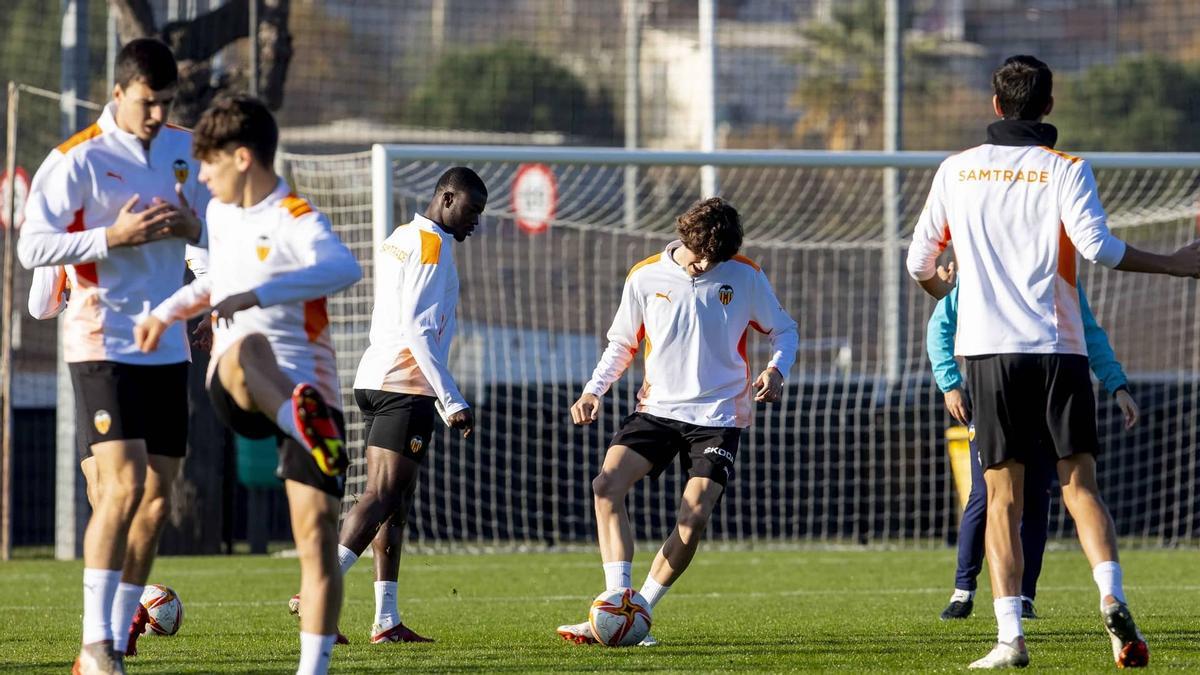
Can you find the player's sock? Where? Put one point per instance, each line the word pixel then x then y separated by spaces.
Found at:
pixel 99 589
pixel 346 559
pixel 125 604
pixel 286 422
pixel 1108 579
pixel 618 575
pixel 1008 618
pixel 653 591
pixel 315 651
pixel 387 612
pixel 959 595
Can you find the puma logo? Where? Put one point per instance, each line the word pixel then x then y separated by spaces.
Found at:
pixel 665 296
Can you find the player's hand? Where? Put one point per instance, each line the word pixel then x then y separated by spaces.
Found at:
pixel 958 404
pixel 1186 261
pixel 947 273
pixel 586 409
pixel 1129 408
pixel 147 333
pixel 225 309
pixel 135 228
pixel 463 419
pixel 186 223
pixel 202 337
pixel 768 386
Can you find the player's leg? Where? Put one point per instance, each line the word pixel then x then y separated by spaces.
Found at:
pixel 643 445
pixel 1005 388
pixel 91 482
pixel 144 533
pixel 120 466
pixel 709 461
pixel 1035 520
pixel 249 373
pixel 314 514
pixel 165 430
pixel 970 545
pixel 388 546
pixel 1072 404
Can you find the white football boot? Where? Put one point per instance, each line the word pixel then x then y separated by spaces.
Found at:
pixel 1004 655
pixel 579 633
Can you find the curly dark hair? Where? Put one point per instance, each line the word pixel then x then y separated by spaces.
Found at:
pixel 712 229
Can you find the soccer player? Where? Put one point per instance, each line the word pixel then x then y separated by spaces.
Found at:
pixel 693 304
pixel 112 206
pixel 273 259
pixel 1038 474
pixel 1018 211
pixel 404 381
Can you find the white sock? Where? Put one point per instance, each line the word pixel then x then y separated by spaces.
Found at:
pixel 1108 579
pixel 125 604
pixel 346 559
pixel 387 611
pixel 653 591
pixel 315 651
pixel 618 575
pixel 99 588
pixel 959 595
pixel 286 422
pixel 1008 618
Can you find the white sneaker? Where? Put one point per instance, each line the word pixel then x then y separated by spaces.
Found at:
pixel 648 641
pixel 579 633
pixel 1004 655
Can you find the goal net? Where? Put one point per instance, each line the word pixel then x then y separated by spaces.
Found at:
pixel 855 452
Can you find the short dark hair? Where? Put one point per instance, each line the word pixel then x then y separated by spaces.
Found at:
pixel 1023 87
pixel 712 229
pixel 460 179
pixel 237 121
pixel 148 60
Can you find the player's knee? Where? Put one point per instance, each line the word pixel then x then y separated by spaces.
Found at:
pixel 605 489
pixel 125 494
pixel 154 509
pixel 254 347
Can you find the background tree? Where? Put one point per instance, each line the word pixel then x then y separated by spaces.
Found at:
pixel 1141 104
pixel 510 87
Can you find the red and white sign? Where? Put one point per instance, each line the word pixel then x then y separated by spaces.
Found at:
pixel 20 195
pixel 534 197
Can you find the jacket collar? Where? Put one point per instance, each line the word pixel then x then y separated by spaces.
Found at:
pixel 1022 132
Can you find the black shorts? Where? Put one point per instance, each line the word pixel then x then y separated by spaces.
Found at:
pixel 1021 400
pixel 706 452
pixel 295 461
pixel 120 401
pixel 401 423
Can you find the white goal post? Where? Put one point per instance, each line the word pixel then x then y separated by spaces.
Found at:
pixel 855 452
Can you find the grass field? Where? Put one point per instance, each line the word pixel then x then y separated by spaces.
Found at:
pixel 751 611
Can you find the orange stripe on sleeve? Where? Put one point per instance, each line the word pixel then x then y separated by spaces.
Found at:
pixel 648 261
pixel 1070 158
pixel 746 261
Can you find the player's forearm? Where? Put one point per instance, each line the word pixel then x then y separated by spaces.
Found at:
pixel 45 249
pixel 307 284
pixel 189 301
pixel 46 293
pixel 783 349
pixel 436 372
pixel 1137 260
pixel 613 363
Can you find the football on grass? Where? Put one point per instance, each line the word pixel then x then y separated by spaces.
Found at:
pixel 165 608
pixel 620 618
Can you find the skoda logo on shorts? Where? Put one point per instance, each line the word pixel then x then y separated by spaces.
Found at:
pixel 719 452
pixel 103 421
pixel 725 293
pixel 415 444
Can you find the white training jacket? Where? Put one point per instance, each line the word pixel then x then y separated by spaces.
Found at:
pixel 1017 215
pixel 287 254
pixel 413 322
pixel 76 194
pixel 695 332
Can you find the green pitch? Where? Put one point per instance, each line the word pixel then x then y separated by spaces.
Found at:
pixel 751 611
